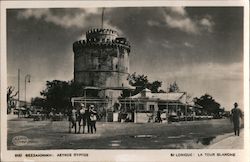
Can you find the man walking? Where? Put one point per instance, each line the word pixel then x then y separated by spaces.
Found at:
pixel 87 117
pixel 236 114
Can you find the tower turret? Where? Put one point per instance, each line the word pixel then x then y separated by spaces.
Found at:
pixel 102 60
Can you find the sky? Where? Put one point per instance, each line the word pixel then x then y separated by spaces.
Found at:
pixel 201 48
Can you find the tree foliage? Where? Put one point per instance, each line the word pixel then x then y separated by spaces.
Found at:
pixel 209 104
pixel 173 87
pixel 10 96
pixel 141 82
pixel 154 86
pixel 59 93
pixel 38 101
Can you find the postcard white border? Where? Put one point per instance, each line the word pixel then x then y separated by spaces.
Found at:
pixel 122 155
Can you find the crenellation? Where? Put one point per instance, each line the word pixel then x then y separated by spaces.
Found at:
pixel 105 44
pixel 103 55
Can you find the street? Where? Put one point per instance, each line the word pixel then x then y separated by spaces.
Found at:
pixel 180 135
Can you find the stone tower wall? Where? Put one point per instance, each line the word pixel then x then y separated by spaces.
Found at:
pixel 102 60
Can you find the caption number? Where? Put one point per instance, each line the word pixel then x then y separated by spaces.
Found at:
pixel 18 155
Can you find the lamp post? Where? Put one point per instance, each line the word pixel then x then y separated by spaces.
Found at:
pixel 27 79
pixel 186 106
pixel 18 95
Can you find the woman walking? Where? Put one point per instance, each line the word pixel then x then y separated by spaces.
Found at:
pixel 73 118
pixel 93 118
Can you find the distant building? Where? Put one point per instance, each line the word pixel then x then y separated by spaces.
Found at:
pixel 171 102
pixel 18 106
pixel 146 105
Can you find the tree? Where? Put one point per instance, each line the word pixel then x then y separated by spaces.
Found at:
pixel 58 94
pixel 10 96
pixel 38 101
pixel 173 87
pixel 209 104
pixel 141 82
pixel 154 86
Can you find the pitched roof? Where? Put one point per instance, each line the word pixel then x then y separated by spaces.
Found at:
pixel 173 96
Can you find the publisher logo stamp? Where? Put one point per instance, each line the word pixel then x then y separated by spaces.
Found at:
pixel 20 140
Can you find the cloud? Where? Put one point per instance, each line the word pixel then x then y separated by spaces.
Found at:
pixel 187 44
pixel 212 71
pixel 153 23
pixel 109 25
pixel 67 18
pixel 64 18
pixel 223 81
pixel 178 10
pixel 207 23
pixel 36 13
pixel 184 24
pixel 166 44
pixel 178 18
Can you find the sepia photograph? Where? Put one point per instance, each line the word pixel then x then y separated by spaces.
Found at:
pixel 125 78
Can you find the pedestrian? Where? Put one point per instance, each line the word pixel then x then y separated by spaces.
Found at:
pixel 158 116
pixel 236 114
pixel 81 118
pixel 93 118
pixel 87 117
pixel 73 119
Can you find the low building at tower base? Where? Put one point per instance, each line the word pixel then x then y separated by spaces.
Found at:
pixel 145 107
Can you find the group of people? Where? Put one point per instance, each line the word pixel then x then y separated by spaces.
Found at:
pixel 85 116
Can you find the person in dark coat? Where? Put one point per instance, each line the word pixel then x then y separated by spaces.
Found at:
pixel 158 116
pixel 87 117
pixel 236 114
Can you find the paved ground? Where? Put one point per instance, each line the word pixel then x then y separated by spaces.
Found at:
pixel 230 142
pixel 54 135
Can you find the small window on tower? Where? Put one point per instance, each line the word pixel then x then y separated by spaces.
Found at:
pixel 116 66
pixel 99 66
pixel 141 107
pixel 151 107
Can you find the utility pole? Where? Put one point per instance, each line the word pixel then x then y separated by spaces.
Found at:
pixel 27 79
pixel 18 97
pixel 103 17
pixel 186 106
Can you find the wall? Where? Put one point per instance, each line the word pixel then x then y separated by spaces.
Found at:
pixel 101 66
pixel 143 117
pixel 152 103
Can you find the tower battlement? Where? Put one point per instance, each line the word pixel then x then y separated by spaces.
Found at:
pixel 119 42
pixel 102 59
pixel 100 34
pixel 101 31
